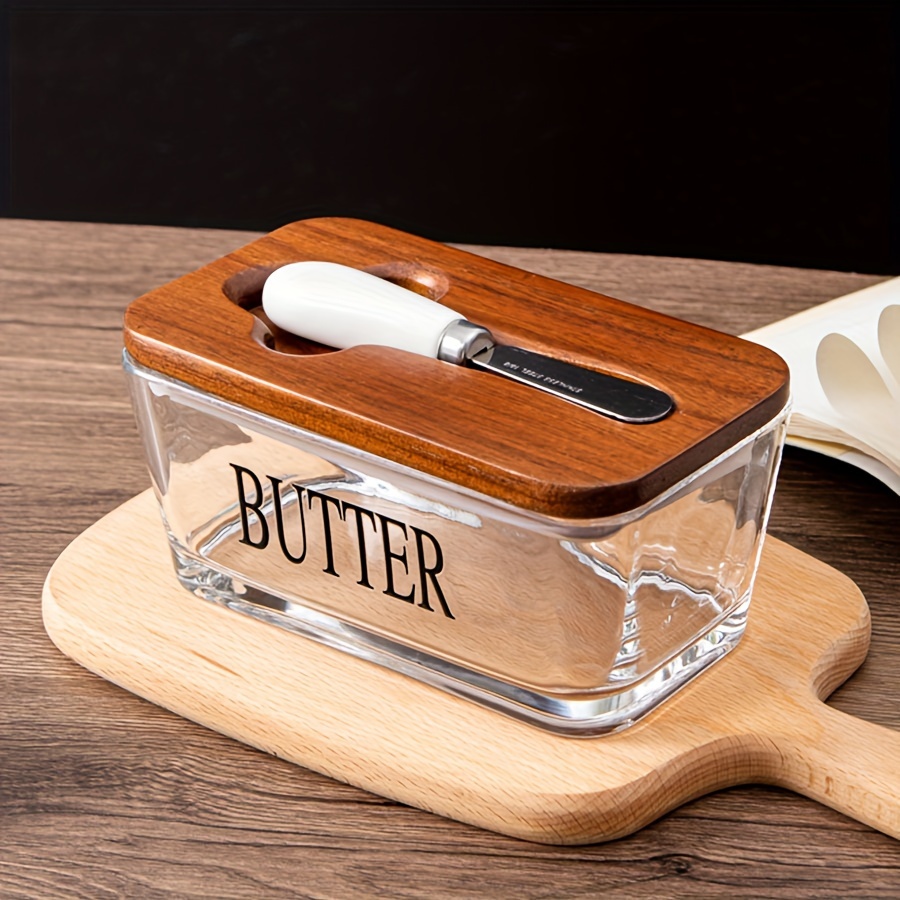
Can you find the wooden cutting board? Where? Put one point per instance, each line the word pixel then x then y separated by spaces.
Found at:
pixel 111 602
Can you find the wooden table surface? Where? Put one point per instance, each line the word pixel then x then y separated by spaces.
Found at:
pixel 104 795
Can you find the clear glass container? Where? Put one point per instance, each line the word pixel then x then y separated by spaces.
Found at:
pixel 576 625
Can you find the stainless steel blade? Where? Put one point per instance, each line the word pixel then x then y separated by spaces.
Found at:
pixel 618 398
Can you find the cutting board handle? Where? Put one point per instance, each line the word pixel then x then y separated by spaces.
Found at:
pixel 844 762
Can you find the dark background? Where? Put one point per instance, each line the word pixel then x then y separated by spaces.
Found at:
pixel 737 131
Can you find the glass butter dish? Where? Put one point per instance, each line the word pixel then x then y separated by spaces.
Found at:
pixel 475 532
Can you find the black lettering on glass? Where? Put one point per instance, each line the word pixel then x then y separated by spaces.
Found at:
pixel 390 556
pixel 427 573
pixel 326 525
pixel 256 530
pixel 361 539
pixel 246 506
pixel 279 519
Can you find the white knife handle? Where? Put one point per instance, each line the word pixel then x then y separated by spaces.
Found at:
pixel 342 307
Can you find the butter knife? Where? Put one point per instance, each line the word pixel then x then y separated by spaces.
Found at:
pixel 342 307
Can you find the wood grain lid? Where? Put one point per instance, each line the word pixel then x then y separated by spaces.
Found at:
pixel 474 429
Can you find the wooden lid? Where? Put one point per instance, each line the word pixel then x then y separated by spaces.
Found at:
pixel 471 428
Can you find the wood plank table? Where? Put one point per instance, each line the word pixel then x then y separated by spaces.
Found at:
pixel 105 795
